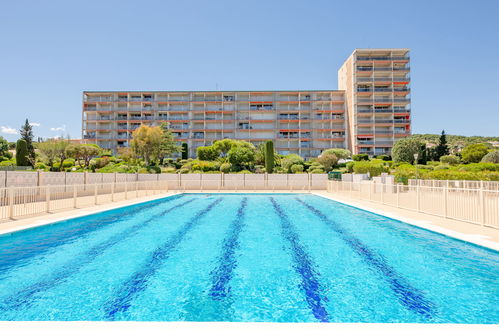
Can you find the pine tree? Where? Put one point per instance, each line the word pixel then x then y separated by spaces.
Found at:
pixel 185 151
pixel 269 156
pixel 442 149
pixel 26 133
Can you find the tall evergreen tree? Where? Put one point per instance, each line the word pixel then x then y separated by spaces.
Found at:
pixel 26 132
pixel 269 156
pixel 22 153
pixel 442 149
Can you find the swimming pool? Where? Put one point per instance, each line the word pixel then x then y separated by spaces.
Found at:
pixel 244 257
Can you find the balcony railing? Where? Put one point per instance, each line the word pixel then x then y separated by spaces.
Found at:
pixel 382 58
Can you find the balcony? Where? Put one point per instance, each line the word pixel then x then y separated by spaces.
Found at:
pixel 383 58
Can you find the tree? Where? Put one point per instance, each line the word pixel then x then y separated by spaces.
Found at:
pixel 83 152
pixel 338 152
pixel 491 157
pixel 474 153
pixel 290 160
pixel 442 149
pixel 126 153
pixel 269 156
pixel 360 157
pixel 404 150
pixel 4 147
pixel 146 142
pixel 168 144
pixel 223 146
pixel 450 159
pixel 207 153
pixel 22 153
pixel 241 155
pixel 26 133
pixel 328 161
pixel 185 150
pixel 52 150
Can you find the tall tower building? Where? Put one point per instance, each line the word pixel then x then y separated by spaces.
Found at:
pixel 377 98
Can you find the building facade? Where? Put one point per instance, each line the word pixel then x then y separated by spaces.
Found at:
pixel 367 114
pixel 377 93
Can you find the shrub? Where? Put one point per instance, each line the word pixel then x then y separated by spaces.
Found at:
pixel 68 163
pixel 225 168
pixel 269 156
pixel 244 172
pixel 168 170
pixel 474 153
pixel 384 157
pixel 360 157
pixel 7 163
pixel 349 167
pixel 373 168
pixel 404 172
pixel 296 168
pixel 290 160
pixel 450 159
pixel 479 167
pixel 491 157
pixel 441 167
pixel 317 171
pixel 328 161
pixel 259 169
pixel 339 153
pixel 207 153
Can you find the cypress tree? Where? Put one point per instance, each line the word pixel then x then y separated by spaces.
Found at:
pixel 26 133
pixel 22 153
pixel 185 152
pixel 269 156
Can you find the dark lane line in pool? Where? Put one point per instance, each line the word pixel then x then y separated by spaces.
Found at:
pixel 25 296
pixel 71 230
pixel 410 297
pixel 304 266
pixel 227 262
pixel 138 281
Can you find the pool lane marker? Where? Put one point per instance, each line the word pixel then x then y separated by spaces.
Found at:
pixel 304 266
pixel 409 296
pixel 71 230
pixel 222 275
pixel 138 281
pixel 25 296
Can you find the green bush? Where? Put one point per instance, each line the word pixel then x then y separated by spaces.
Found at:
pixel 207 153
pixel 8 163
pixel 349 167
pixel 474 153
pixel 296 168
pixel 441 167
pixel 384 157
pixel 479 167
pixel 491 157
pixel 68 163
pixel 153 169
pixel 259 169
pixel 168 170
pixel 317 171
pixel 404 172
pixel 290 160
pixel 225 168
pixel 244 172
pixel 373 168
pixel 450 159
pixel 360 157
pixel 22 153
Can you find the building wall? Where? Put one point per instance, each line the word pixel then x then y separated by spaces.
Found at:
pixel 302 122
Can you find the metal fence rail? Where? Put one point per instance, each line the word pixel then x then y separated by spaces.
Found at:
pixel 16 202
pixel 467 184
pixel 477 206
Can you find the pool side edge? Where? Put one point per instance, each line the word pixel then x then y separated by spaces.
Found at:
pixel 476 239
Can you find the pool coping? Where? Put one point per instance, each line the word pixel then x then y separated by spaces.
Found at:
pixel 482 240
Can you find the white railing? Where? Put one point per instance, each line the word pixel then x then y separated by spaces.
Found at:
pixel 467 184
pixel 16 202
pixel 477 206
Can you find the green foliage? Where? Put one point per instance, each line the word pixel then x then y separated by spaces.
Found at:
pixel 225 168
pixel 315 167
pixel 7 163
pixel 290 160
pixel 223 146
pixel 4 147
pixel 338 152
pixel 296 168
pixel 185 150
pixel 491 157
pixel 349 167
pixel 450 159
pixel 207 153
pixel 374 168
pixel 22 153
pixel 442 149
pixel 384 157
pixel 168 145
pixel 404 150
pixel 328 161
pixel 360 157
pixel 474 153
pixel 478 167
pixel 241 155
pixel 269 156
pixel 26 133
pixel 317 171
pixel 68 163
pixel 405 172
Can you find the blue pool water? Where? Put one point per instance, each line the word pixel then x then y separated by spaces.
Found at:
pixel 244 257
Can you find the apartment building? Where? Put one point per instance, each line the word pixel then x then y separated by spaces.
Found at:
pixel 302 122
pixel 367 114
pixel 376 85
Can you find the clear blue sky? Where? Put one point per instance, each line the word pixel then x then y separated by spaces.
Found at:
pixel 51 51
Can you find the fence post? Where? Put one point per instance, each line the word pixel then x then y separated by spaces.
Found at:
pixel 137 187
pixel 445 200
pixel 383 193
pixel 201 181
pixel 482 205
pixel 309 182
pixel 112 188
pixel 126 190
pixel 398 194
pixel 11 202
pixel 47 199
pixel 418 201
pixel 95 194
pixel 74 196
